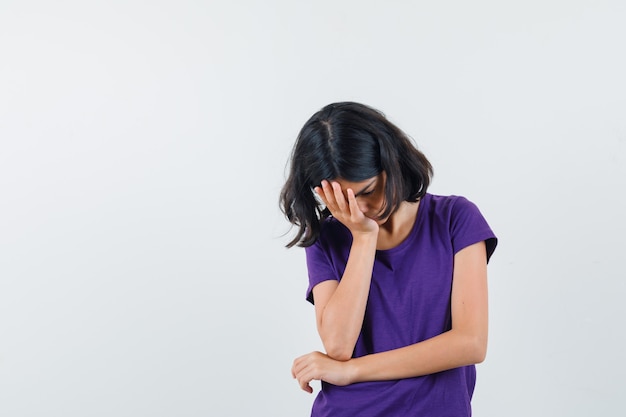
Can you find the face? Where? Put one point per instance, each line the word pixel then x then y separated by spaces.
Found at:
pixel 370 194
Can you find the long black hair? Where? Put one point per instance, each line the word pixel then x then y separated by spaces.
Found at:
pixel 353 142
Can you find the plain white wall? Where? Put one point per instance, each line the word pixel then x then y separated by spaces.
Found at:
pixel 143 145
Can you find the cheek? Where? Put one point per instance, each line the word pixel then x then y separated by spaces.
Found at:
pixel 379 205
pixel 363 205
pixel 380 200
pixel 370 205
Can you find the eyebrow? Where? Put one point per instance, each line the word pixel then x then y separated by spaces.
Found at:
pixel 365 188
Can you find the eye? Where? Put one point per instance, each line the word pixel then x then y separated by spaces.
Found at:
pixel 366 193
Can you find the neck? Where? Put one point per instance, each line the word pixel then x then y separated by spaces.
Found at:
pixel 398 226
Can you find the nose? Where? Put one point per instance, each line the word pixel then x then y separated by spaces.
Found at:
pixel 363 206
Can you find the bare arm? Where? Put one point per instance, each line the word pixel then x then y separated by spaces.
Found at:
pixel 340 306
pixel 464 344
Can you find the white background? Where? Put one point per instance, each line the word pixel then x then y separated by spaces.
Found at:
pixel 143 146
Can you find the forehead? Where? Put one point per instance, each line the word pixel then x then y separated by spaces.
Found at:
pixel 357 186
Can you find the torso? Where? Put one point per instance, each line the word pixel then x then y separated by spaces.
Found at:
pixel 408 302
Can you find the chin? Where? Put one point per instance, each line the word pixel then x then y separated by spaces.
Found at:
pixel 380 221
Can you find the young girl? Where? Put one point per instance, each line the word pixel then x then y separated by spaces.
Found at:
pixel 398 276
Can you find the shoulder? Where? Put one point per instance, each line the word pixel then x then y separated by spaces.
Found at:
pixel 463 220
pixel 333 234
pixel 447 206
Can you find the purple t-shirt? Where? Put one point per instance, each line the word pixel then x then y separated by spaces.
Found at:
pixel 409 301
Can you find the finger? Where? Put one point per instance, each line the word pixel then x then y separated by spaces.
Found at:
pixel 329 196
pixel 339 197
pixel 320 193
pixel 355 211
pixel 308 389
pixel 296 367
pixel 299 365
pixel 304 382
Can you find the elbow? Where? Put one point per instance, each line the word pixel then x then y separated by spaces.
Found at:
pixel 338 346
pixel 480 356
pixel 340 356
pixel 476 349
pixel 338 353
pixel 472 347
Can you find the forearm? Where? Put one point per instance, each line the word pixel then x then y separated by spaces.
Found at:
pixel 448 350
pixel 341 320
pixel 465 344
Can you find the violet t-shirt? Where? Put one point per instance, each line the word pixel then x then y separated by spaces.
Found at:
pixel 409 301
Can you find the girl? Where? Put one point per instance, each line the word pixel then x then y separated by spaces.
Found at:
pixel 398 276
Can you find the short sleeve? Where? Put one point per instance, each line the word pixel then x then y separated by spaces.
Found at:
pixel 468 226
pixel 319 267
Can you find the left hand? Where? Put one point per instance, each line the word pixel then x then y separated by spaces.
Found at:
pixel 319 366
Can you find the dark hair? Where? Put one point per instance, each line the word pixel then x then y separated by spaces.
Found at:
pixel 353 142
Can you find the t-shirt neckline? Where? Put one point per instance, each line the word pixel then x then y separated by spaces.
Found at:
pixel 416 224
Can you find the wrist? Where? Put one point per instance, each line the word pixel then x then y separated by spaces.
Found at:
pixel 353 370
pixel 365 238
